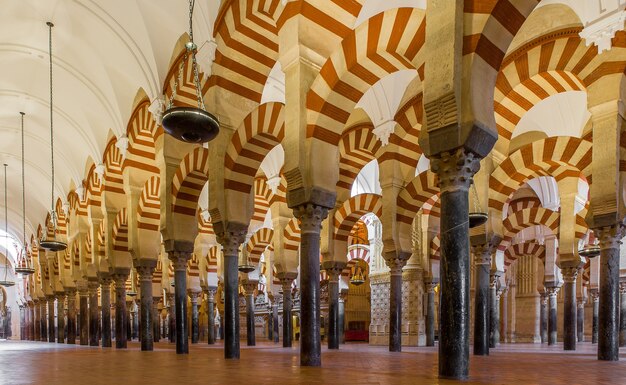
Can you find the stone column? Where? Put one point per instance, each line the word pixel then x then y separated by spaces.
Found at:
pixel 36 320
pixel 552 292
pixel 503 306
pixel 286 279
pixel 51 331
pixel 121 314
pixel 622 312
pixel 342 317
pixel 171 311
pixel 83 295
pixel 22 323
pixel 580 321
pixel 395 263
pixel 60 297
pixel 455 171
pixel 270 318
pixel 482 264
pixel 93 313
pixel 195 322
pixel 31 312
pixel 608 318
pixel 543 317
pixel 494 312
pixel 156 327
pixel 180 259
pixel 105 303
pixel 230 241
pixel 334 269
pixel 211 314
pixel 595 300
pixel 310 216
pixel 430 313
pixel 71 316
pixel 43 312
pixel 276 324
pixel 145 269
pixel 129 320
pixel 249 287
pixel 569 307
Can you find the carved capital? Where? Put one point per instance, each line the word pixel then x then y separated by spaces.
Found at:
pixel 430 287
pixel 396 265
pixel 231 240
pixel 482 253
pixel 455 169
pixel 311 217
pixel 594 294
pixel 93 287
pixel 211 295
pixel 622 288
pixel 552 291
pixel 179 259
pixel 250 286
pixel 120 280
pixel 610 237
pixel 334 269
pixel 194 295
pixel 145 272
pixel 569 274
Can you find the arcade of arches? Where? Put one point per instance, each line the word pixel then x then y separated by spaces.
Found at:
pixel 356 136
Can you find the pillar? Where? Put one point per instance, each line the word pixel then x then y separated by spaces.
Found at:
pixel 31 313
pixel 622 317
pixel 334 272
pixel 310 216
pixel 494 312
pixel 230 241
pixel 145 269
pixel 195 322
pixel 341 305
pixel 395 264
pixel 595 300
pixel 93 313
pixel 120 310
pixel 51 331
pixel 543 317
pixel 552 292
pixel 580 321
pixel 180 257
pixel 249 287
pixel 608 318
pixel 71 316
pixel 43 320
pixel 60 297
pixel 171 312
pixel 482 264
pixel 129 320
pixel 211 314
pixel 156 328
pixel 83 295
pixel 270 318
pixel 286 279
pixel 430 313
pixel 455 171
pixel 105 303
pixel 503 306
pixel 276 325
pixel 36 321
pixel 22 323
pixel 569 307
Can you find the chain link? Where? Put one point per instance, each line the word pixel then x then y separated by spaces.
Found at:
pixel 53 217
pixel 23 190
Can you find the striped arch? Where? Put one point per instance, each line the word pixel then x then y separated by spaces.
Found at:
pixel 211 259
pixel 62 219
pixel 523 203
pixel 142 131
pixel 94 188
pixel 367 55
pixel 120 231
pixel 355 254
pixel 352 210
pixel 403 143
pixel 559 157
pixel 149 219
pixel 190 178
pixel 247 46
pixel 193 268
pixel 587 272
pixel 112 160
pixel 357 147
pixel 88 249
pixel 204 227
pixel 422 193
pixel 358 234
pixel 186 91
pixel 76 256
pixel 262 130
pixel 257 244
pixel 527 248
pixel 435 248
pixel 77 206
pixel 291 234
pixel 262 199
pixel 157 277
pixel 536 216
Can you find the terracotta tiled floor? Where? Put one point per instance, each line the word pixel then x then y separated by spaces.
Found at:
pixel 46 363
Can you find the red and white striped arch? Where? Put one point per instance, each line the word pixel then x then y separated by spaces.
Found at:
pixel 260 240
pixel 355 254
pixel 291 234
pixel 352 210
pixel 186 91
pixel 560 157
pixel 422 193
pixel 262 199
pixel 112 160
pixel 120 231
pixel 358 146
pixel 149 210
pixel 190 178
pixel 142 132
pixel 518 221
pixel 211 259
pixel 94 188
pixel 523 203
pixel 193 268
pixel 204 227
pixel 157 277
pixel 512 252
pixel 435 248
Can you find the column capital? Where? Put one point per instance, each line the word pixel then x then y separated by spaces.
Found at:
pixel 622 288
pixel 569 273
pixel 106 280
pixel 396 265
pixel 552 291
pixel 311 217
pixel 211 291
pixel 145 271
pixel 610 237
pixel 430 287
pixel 232 238
pixel 194 295
pixel 455 169
pixel 179 259
pixel 595 295
pixel 334 269
pixel 250 286
pixel 93 286
pixel 120 280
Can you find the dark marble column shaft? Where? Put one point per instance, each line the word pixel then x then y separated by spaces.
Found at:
pixel 156 327
pixel 60 318
pixel 195 322
pixel 171 312
pixel 37 321
pixel 31 310
pixel 334 272
pixel 580 321
pixel 595 298
pixel 51 329
pixel 105 299
pixel 608 317
pixel 276 323
pixel 250 332
pixel 341 305
pixel 287 304
pixel 180 260
pixel 83 312
pixel 146 272
pixel 430 313
pixel 211 315
pixel 43 311
pixel 395 302
pixel 121 314
pixel 543 317
pixel 310 216
pixel 482 262
pixel 622 317
pixel 552 311
pixel 494 312
pixel 569 307
pixel 71 317
pixel 93 313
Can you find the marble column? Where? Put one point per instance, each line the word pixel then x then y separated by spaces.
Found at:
pixel 569 307
pixel 83 295
pixel 129 320
pixel 543 317
pixel 43 319
pixel 156 328
pixel 580 321
pixel 341 305
pixel 51 331
pixel 310 216
pixel 31 311
pixel 195 322
pixel 552 327
pixel 230 241
pixel 455 171
pixel 71 316
pixel 22 323
pixel 503 305
pixel 494 312
pixel 37 320
pixel 171 312
pixel 60 297
pixel 121 314
pixel 249 287
pixel 145 269
pixel 482 265
pixel 430 313
pixel 622 315
pixel 395 263
pixel 595 300
pixel 286 280
pixel 334 269
pixel 105 300
pixel 93 313
pixel 180 257
pixel 270 318
pixel 276 324
pixel 211 314
pixel 608 318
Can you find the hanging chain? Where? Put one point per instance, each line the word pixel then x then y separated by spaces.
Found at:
pixel 477 207
pixel 50 25
pixel 23 193
pixel 6 225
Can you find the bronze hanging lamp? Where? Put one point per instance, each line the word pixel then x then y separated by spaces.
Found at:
pixel 591 249
pixel 358 276
pixel 52 243
pixel 245 266
pixel 190 124
pixel 477 216
pixel 5 281
pixel 24 265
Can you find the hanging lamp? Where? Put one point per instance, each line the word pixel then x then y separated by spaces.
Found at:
pixel 5 281
pixel 52 243
pixel 591 249
pixel 245 267
pixel 477 216
pixel 190 124
pixel 358 277
pixel 24 266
